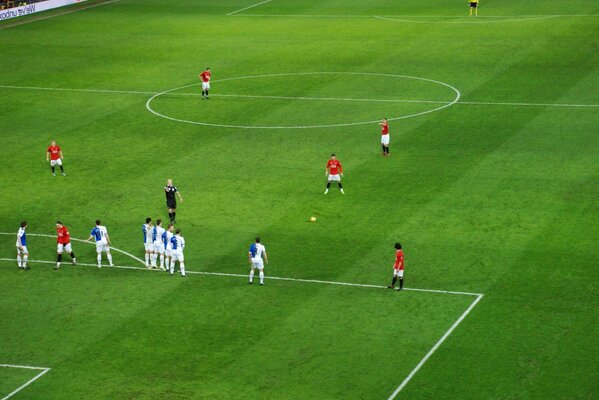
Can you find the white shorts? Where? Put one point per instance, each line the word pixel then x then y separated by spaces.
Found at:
pixel 61 247
pixel 168 251
pixel 398 272
pixel 177 256
pixel 149 246
pixel 22 251
pixel 336 178
pixel 56 162
pixel 205 85
pixel 258 263
pixel 385 139
pixel 159 247
pixel 102 246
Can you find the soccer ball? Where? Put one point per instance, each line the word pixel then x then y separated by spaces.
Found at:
pixel 312 219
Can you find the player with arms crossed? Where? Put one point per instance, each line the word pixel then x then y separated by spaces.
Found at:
pixel 171 201
pixel 64 243
pixel 54 156
pixel 157 238
pixel 205 77
pixel 22 253
pixel 334 173
pixel 473 4
pixel 100 234
pixel 257 250
pixel 385 136
pixel 146 230
pixel 177 246
pixel 397 267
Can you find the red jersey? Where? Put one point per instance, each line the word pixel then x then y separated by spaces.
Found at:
pixel 334 167
pixel 64 236
pixel 205 76
pixel 399 264
pixel 54 152
pixel 385 129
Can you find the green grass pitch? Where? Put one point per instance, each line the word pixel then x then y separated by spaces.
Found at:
pixel 491 187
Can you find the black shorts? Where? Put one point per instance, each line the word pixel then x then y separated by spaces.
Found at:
pixel 473 5
pixel 171 204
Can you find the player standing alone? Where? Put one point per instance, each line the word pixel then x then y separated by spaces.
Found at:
pixel 474 6
pixel 22 253
pixel 256 261
pixel 334 172
pixel 64 243
pixel 54 155
pixel 385 136
pixel 205 77
pixel 171 201
pixel 397 268
pixel 100 234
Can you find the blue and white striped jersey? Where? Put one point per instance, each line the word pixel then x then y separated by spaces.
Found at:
pixel 21 237
pixel 256 250
pixel 146 230
pixel 178 243
pixel 99 233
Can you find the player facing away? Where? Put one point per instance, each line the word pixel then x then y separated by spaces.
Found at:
pixel 168 246
pixel 22 253
pixel 257 251
pixel 171 201
pixel 64 243
pixel 54 156
pixel 334 173
pixel 146 230
pixel 473 6
pixel 385 136
pixel 397 268
pixel 100 234
pixel 205 77
pixel 157 239
pixel 177 245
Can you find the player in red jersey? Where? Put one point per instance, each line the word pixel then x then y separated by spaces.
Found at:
pixel 64 243
pixel 385 136
pixel 54 156
pixel 334 172
pixel 205 77
pixel 397 268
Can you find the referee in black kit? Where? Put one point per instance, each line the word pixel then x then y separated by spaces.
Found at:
pixel 171 201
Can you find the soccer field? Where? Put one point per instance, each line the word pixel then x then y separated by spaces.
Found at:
pixel 491 187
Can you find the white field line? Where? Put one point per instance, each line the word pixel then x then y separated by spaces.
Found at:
pixel 435 347
pixel 475 103
pixel 276 278
pixel 11 25
pixel 29 382
pixel 472 21
pixel 415 16
pixel 79 240
pixel 247 8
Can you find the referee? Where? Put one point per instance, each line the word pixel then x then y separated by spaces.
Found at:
pixel 171 201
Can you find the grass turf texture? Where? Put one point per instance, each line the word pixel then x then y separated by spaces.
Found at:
pixel 485 198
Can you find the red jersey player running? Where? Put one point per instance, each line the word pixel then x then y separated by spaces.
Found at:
pixel 334 172
pixel 64 243
pixel 205 77
pixel 385 136
pixel 397 268
pixel 54 155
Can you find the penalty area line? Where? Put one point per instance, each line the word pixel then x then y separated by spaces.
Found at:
pixel 412 373
pixel 29 382
pixel 247 8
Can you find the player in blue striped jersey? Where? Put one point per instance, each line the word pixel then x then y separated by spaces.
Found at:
pixel 22 252
pixel 146 230
pixel 177 245
pixel 100 234
pixel 168 246
pixel 157 240
pixel 257 250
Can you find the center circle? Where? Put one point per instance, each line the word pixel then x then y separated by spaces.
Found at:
pixel 438 104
